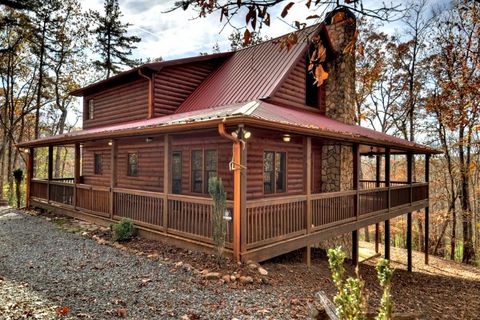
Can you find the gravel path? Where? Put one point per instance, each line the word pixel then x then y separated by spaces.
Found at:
pixel 55 269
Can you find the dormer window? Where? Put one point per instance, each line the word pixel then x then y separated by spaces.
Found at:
pixel 91 109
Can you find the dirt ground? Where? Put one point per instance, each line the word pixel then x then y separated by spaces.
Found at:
pixel 441 290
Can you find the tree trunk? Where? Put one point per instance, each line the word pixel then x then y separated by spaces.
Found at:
pixel 367 234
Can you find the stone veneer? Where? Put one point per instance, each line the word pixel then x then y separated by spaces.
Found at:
pixel 337 159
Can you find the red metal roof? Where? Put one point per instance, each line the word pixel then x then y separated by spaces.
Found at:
pixel 262 112
pixel 251 73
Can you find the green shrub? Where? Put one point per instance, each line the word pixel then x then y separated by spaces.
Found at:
pixel 122 231
pixel 350 301
pixel 385 275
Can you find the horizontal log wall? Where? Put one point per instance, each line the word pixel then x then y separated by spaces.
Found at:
pixel 292 91
pixel 173 85
pixel 204 141
pixel 262 141
pixel 88 162
pixel 122 103
pixel 150 164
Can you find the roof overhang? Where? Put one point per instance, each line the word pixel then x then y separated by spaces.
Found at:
pixel 254 113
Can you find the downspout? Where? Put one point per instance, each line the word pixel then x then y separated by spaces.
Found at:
pixel 236 188
pixel 150 90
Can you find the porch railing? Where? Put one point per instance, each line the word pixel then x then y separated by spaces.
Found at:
pixel 267 220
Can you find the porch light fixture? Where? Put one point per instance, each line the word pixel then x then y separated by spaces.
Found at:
pixel 110 142
pixel 245 134
pixel 227 215
pixel 371 155
pixel 148 139
pixel 286 138
pixel 26 150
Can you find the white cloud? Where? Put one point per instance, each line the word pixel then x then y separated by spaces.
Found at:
pixel 181 33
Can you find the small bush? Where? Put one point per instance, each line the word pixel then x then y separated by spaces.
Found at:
pixel 122 231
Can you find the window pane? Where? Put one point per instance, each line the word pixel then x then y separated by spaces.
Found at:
pixel 132 164
pixel 280 171
pixel 268 179
pixel 197 171
pixel 176 172
pixel 98 163
pixel 210 166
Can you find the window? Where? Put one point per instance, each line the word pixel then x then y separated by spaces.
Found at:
pixel 274 172
pixel 202 170
pixel 210 166
pixel 98 163
pixel 197 171
pixel 91 109
pixel 132 165
pixel 176 172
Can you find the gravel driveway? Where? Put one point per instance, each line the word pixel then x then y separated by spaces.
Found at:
pixel 55 268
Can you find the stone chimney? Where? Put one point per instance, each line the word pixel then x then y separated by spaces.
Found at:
pixel 340 36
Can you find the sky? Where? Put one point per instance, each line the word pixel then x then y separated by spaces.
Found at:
pixel 182 34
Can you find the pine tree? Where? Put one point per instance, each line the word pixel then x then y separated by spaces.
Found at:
pixel 113 45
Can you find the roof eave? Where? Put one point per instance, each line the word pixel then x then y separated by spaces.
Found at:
pixel 232 120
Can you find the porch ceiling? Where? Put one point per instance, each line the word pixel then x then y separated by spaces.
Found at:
pixel 255 113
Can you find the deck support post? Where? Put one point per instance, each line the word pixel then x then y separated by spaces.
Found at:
pixel 28 180
pixel 387 185
pixel 409 214
pixel 355 247
pixel 427 209
pixel 166 180
pixel 49 170
pixel 387 239
pixel 76 174
pixel 378 160
pixel 356 184
pixel 113 175
pixel 308 192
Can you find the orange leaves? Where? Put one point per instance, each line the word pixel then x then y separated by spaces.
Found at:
pixel 318 56
pixel 246 37
pixel 63 311
pixel 287 41
pixel 320 75
pixel 286 9
pixel 338 17
pixel 350 47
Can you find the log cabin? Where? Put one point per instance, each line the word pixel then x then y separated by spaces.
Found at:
pixel 277 125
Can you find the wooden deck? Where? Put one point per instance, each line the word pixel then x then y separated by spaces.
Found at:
pixel 273 226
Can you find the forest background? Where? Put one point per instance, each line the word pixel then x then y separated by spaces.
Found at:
pixel 418 77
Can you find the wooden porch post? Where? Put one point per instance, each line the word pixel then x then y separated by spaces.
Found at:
pixel 28 180
pixel 166 180
pixel 356 184
pixel 387 184
pixel 76 175
pixel 409 214
pixel 49 170
pixel 113 175
pixel 243 198
pixel 377 185
pixel 427 209
pixel 308 192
